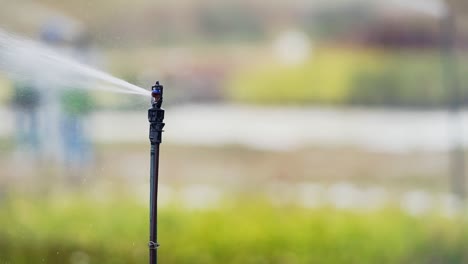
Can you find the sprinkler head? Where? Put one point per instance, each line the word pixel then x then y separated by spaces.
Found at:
pixel 157 95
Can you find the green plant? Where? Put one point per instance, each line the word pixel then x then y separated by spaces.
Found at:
pixel 66 229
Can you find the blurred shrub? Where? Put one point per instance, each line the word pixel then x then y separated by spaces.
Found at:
pixel 76 102
pixel 325 79
pixel 401 80
pixel 349 77
pixel 83 231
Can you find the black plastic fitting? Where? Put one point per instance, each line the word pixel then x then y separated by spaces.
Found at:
pixel 156 114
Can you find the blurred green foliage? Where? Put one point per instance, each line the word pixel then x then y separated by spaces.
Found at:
pixel 324 79
pixel 76 102
pixel 350 77
pixel 71 230
pixel 402 80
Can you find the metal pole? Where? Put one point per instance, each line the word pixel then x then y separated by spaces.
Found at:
pixel 454 95
pixel 155 118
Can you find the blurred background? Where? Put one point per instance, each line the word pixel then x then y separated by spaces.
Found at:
pixel 299 131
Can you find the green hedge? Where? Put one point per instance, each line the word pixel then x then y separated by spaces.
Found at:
pixel 83 231
pixel 349 77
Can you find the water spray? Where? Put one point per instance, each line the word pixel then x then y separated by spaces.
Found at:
pixel 27 60
pixel 155 118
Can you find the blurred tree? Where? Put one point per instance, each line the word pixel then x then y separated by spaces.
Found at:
pixel 26 100
pixel 76 105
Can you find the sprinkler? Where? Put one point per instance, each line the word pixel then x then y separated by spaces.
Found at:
pixel 155 118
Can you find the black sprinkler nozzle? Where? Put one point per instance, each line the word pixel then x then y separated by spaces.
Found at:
pixel 157 95
pixel 156 113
